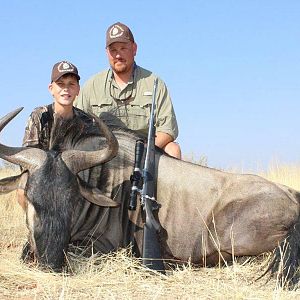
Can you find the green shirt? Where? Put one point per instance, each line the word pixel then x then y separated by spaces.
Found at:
pixel 131 106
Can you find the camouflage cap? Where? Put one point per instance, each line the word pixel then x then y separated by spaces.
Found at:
pixel 118 32
pixel 61 68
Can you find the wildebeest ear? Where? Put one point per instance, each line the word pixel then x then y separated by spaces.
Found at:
pixel 12 183
pixel 94 195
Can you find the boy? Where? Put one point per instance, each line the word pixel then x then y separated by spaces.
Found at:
pixel 64 87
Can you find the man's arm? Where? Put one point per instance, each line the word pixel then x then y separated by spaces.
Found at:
pixel 165 142
pixel 162 139
pixel 82 101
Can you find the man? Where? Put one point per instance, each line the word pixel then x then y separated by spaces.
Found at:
pixel 122 95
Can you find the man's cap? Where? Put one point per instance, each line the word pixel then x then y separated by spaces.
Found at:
pixel 63 67
pixel 118 32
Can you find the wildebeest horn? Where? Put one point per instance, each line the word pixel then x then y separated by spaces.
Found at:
pixel 77 160
pixel 28 158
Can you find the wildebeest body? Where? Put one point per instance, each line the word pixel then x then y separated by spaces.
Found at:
pixel 205 210
pixel 205 213
pixel 221 211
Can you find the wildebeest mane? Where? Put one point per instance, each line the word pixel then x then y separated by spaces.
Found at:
pixel 66 134
pixel 133 135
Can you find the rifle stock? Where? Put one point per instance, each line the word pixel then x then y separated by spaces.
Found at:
pixel 152 257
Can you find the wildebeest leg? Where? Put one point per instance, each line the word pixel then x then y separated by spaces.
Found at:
pixel 251 226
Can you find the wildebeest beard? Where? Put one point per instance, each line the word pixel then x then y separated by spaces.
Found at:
pixel 53 191
pixel 53 202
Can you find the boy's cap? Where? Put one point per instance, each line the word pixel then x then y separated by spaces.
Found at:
pixel 118 32
pixel 63 67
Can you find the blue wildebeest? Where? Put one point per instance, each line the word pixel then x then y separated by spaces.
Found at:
pixel 204 213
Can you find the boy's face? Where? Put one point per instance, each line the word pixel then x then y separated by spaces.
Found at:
pixel 65 89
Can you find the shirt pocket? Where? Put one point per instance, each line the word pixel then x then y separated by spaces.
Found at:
pixel 139 116
pixel 104 105
pixel 134 115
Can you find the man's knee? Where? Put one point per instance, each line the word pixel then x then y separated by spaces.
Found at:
pixel 173 149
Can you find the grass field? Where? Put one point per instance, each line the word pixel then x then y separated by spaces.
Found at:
pixel 119 276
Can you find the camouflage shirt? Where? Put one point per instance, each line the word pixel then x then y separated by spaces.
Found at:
pixel 129 107
pixel 38 128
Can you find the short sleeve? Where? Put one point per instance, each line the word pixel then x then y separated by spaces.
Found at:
pixel 32 129
pixel 166 120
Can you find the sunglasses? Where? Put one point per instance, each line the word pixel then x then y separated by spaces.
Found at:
pixel 123 98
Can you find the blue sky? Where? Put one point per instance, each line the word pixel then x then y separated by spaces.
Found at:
pixel 232 67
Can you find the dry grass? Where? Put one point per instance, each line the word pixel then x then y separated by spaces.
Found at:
pixel 285 174
pixel 119 276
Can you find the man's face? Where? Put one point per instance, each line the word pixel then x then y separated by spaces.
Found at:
pixel 65 89
pixel 121 56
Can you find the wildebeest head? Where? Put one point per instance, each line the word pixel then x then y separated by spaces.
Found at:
pixel 53 189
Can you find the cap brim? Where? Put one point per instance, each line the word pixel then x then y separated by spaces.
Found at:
pixel 118 40
pixel 56 78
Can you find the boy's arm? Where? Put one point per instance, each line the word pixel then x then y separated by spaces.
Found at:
pixel 32 130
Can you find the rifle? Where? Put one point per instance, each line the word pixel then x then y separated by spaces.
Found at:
pixel 151 256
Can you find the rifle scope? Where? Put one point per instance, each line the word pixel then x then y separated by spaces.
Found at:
pixel 137 174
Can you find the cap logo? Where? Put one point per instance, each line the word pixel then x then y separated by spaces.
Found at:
pixel 65 66
pixel 116 31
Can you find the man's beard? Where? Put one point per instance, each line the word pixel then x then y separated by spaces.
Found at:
pixel 120 68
